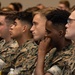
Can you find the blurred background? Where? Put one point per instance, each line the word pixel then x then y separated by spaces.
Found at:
pixel 30 3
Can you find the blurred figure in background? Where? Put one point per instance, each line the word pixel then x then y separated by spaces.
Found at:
pixel 0 5
pixel 64 5
pixel 40 6
pixel 6 9
pixel 20 6
pixel 72 8
pixel 15 6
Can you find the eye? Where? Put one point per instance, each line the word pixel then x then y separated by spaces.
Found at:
pixel 1 23
pixel 35 23
pixel 48 32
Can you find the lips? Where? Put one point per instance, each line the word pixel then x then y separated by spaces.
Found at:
pixel 10 33
pixel 66 30
pixel 33 33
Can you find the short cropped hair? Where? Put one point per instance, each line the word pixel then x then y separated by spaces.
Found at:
pixel 25 17
pixel 9 16
pixel 58 17
pixel 65 2
pixel 43 12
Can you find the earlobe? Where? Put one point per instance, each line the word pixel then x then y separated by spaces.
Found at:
pixel 24 28
pixel 61 33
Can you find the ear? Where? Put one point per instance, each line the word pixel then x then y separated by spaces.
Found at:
pixel 61 33
pixel 24 28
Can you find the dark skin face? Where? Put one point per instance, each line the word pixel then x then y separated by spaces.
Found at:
pixel 53 33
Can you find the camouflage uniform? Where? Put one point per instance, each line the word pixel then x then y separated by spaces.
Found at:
pixel 6 49
pixel 65 61
pixel 25 57
pixel 48 58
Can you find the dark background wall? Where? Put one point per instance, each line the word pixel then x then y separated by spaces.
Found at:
pixel 30 3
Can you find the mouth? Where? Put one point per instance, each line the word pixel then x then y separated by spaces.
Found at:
pixel 33 33
pixel 66 31
pixel 10 33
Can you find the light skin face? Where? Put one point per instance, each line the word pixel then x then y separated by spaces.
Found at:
pixel 4 28
pixel 11 6
pixel 16 29
pixel 70 31
pixel 38 28
pixel 62 7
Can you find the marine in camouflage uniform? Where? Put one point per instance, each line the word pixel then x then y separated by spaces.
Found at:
pixel 64 60
pixel 6 50
pixel 25 57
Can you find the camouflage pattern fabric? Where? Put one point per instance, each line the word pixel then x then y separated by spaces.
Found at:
pixel 7 49
pixel 26 57
pixel 65 60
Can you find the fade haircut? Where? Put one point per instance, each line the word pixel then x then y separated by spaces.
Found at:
pixel 25 17
pixel 9 16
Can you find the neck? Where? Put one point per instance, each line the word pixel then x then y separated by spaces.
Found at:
pixel 7 39
pixel 63 44
pixel 22 40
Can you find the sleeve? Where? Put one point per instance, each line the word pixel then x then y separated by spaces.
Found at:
pixel 55 70
pixel 2 63
pixel 29 61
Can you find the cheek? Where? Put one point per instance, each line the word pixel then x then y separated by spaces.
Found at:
pixel 71 29
pixel 53 36
pixel 3 29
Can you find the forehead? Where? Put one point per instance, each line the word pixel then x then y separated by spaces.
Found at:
pixel 38 17
pixel 48 24
pixel 2 18
pixel 72 16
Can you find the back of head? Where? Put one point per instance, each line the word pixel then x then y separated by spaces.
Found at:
pixel 6 9
pixel 58 17
pixel 32 9
pixel 6 13
pixel 40 6
pixel 14 5
pixel 66 3
pixel 20 6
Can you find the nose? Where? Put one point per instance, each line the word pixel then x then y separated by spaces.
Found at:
pixel 11 26
pixel 66 25
pixel 32 28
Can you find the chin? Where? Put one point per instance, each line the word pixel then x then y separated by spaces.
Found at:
pixel 36 39
pixel 67 37
pixel 12 36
